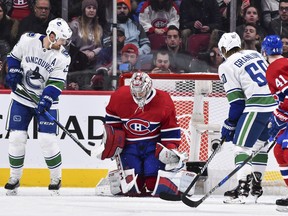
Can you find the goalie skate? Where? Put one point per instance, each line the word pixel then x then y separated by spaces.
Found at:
pixel 12 186
pixel 282 205
pixel 239 194
pixel 54 187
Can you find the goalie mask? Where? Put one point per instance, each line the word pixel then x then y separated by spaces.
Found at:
pixel 140 87
pixel 61 30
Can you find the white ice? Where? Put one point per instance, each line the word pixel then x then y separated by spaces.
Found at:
pixel 84 202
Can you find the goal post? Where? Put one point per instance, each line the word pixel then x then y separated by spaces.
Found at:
pixel 201 108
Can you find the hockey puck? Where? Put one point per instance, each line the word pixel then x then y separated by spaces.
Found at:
pixel 91 143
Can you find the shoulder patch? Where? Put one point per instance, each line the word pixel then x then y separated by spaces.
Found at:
pixel 31 34
pixel 65 52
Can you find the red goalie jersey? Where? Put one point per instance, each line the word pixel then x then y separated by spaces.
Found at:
pixel 277 77
pixel 156 121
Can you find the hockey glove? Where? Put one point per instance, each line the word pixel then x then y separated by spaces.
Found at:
pixel 13 77
pixel 173 159
pixel 278 122
pixel 283 139
pixel 44 104
pixel 228 130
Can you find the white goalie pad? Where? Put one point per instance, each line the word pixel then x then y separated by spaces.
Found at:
pixel 120 184
pixel 174 182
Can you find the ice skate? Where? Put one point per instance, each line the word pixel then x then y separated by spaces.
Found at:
pixel 54 186
pixel 12 186
pixel 239 194
pixel 256 189
pixel 282 205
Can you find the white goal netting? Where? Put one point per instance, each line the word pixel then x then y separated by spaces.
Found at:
pixel 201 107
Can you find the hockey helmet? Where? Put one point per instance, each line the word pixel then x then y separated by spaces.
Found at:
pixel 140 87
pixel 60 28
pixel 272 45
pixel 229 41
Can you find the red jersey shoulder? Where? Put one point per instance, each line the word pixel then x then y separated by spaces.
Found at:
pixel 163 97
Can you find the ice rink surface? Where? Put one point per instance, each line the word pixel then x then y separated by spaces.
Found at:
pixel 84 202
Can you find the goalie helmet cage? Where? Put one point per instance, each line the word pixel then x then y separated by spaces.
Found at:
pixel 201 108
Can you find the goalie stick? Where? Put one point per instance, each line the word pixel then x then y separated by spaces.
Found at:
pixel 126 187
pixel 51 118
pixel 174 197
pixel 194 204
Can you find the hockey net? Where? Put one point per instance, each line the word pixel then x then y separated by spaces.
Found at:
pixel 201 108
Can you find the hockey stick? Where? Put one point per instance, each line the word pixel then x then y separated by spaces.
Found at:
pixel 126 187
pixel 194 204
pixel 174 197
pixel 51 118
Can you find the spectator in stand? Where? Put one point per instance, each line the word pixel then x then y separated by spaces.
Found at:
pixel 240 7
pixel 198 17
pixel 269 11
pixel 212 58
pixel 8 27
pixel 279 26
pixel 87 35
pixel 128 59
pixel 180 59
pixel 37 21
pixel 251 15
pixel 21 9
pixel 161 62
pixel 285 46
pixel 251 40
pixel 4 50
pixel 134 32
pixel 157 15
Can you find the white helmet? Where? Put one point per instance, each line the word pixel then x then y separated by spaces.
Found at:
pixel 229 41
pixel 140 87
pixel 60 28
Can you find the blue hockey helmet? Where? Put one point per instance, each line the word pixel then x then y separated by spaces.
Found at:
pixel 272 45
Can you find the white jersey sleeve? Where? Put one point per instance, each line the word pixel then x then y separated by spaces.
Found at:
pixel 41 67
pixel 243 75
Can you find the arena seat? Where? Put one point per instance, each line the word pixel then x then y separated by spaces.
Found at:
pixel 156 41
pixel 198 43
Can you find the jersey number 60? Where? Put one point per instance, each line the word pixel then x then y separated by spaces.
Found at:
pixel 256 71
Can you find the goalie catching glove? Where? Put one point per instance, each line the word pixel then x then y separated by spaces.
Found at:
pixel 113 142
pixel 173 159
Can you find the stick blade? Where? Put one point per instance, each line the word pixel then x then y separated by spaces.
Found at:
pixel 191 203
pixel 169 197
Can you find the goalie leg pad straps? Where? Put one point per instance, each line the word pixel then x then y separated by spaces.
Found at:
pixel 115 177
pixel 173 182
pixel 114 141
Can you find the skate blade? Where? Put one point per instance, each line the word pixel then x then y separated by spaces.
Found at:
pixel 13 192
pixel 54 192
pixel 282 208
pixel 232 200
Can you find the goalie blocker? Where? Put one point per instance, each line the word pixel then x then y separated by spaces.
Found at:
pixel 113 142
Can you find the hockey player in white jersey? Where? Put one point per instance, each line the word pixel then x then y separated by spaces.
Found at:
pixel 40 63
pixel 251 105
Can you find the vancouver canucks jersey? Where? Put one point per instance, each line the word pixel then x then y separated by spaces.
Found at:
pixel 41 67
pixel 243 75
